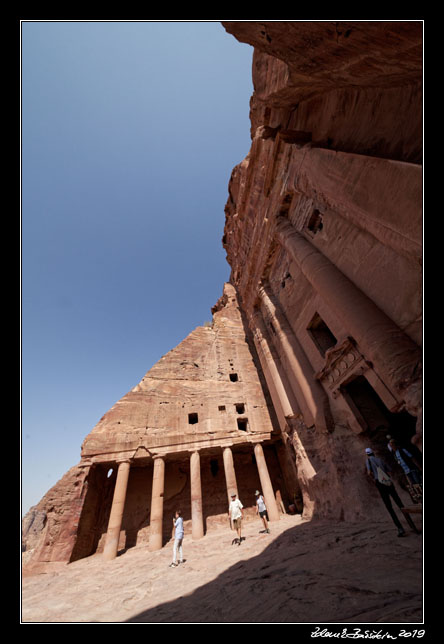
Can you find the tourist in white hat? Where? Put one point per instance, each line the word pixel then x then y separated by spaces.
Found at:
pixel 236 514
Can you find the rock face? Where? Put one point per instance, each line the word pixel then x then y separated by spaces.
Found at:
pixel 349 86
pixel 188 399
pixel 323 233
pixel 314 350
pixel 206 396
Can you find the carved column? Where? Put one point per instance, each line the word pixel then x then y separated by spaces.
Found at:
pixel 196 497
pixel 267 488
pixel 230 475
pixel 156 517
pixel 393 353
pixel 118 504
pixel 269 367
pixel 309 393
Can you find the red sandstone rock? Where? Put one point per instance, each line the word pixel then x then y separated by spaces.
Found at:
pixel 321 320
pixel 156 416
pixel 354 86
pixel 334 295
pixel 205 395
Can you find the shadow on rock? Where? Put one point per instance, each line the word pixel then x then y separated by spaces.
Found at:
pixel 313 573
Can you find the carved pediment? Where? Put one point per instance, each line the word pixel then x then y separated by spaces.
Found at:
pixel 341 361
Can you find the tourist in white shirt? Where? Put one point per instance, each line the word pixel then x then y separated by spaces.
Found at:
pixel 178 538
pixel 261 509
pixel 236 514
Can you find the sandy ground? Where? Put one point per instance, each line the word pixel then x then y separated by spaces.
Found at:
pixel 302 572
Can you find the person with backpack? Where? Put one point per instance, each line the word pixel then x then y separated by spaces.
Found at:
pixel 408 463
pixel 379 472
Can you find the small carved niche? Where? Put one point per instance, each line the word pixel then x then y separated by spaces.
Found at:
pixel 314 223
pixel 193 418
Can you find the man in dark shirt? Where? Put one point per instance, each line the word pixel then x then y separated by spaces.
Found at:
pixel 379 471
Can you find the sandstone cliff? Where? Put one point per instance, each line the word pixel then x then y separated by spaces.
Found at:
pixel 205 394
pixel 314 350
pixel 324 223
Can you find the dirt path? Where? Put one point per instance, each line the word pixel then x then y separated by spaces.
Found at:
pixel 303 572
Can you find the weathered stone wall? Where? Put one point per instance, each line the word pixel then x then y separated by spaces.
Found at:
pixel 193 378
pixel 352 86
pixel 315 342
pixel 49 529
pixel 324 236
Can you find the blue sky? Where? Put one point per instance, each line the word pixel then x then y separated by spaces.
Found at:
pixel 130 131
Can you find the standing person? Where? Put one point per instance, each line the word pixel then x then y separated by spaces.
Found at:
pixel 378 470
pixel 408 463
pixel 261 509
pixel 236 514
pixel 411 469
pixel 178 538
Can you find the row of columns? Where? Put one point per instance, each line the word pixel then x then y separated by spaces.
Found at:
pixel 284 401
pixel 311 397
pixel 381 340
pixel 156 517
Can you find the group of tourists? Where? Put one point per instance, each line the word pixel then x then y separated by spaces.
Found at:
pixel 235 515
pixel 380 472
pixel 377 469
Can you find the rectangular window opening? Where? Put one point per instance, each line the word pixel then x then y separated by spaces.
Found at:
pixel 242 424
pixel 193 419
pixel 233 377
pixel 222 408
pixel 240 408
